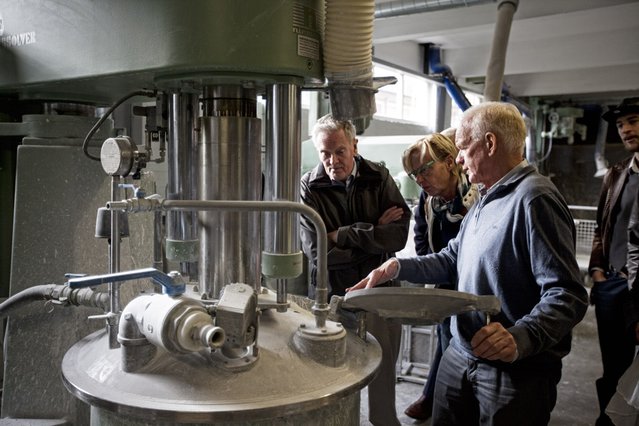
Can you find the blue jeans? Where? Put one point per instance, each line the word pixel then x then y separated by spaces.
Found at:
pixel 443 339
pixel 471 392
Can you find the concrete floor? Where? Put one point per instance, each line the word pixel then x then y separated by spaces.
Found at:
pixel 576 401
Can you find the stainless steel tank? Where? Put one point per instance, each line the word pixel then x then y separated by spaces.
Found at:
pixel 211 60
pixel 283 387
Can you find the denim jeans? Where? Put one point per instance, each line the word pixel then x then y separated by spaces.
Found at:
pixel 443 339
pixel 474 392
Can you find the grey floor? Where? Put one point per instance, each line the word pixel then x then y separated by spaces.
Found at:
pixel 576 401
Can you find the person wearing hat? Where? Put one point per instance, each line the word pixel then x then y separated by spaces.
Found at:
pixel 608 257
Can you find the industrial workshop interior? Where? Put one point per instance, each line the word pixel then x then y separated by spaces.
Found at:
pixel 151 152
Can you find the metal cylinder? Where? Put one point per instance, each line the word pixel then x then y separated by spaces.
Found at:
pixel 229 168
pixel 282 173
pixel 181 230
pixel 282 166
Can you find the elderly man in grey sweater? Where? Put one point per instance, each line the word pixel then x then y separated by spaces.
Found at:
pixel 517 243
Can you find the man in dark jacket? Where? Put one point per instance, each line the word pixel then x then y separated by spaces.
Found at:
pixel 367 220
pixel 609 253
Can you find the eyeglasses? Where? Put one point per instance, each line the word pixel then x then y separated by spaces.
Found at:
pixel 421 170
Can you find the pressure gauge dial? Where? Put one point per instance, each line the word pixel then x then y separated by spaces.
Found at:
pixel 118 156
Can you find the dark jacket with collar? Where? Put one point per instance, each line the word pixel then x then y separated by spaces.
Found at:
pixel 611 190
pixel 362 244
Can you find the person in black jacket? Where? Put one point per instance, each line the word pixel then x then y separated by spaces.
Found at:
pixel 367 220
pixel 609 254
pixel 623 408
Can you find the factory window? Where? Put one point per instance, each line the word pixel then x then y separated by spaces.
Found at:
pixel 456 112
pixel 412 98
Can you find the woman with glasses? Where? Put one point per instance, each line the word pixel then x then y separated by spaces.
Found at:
pixel 446 197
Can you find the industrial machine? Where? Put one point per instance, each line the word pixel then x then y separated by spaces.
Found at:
pixel 184 331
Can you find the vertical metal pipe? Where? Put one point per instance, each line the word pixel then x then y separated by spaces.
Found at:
pixel 440 117
pixel 601 163
pixel 282 172
pixel 533 136
pixel 497 61
pixel 229 167
pixel 114 266
pixel 158 259
pixel 181 230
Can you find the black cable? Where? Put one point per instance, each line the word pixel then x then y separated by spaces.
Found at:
pixel 44 292
pixel 85 144
pixel 38 292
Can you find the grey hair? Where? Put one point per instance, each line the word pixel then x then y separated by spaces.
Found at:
pixel 329 124
pixel 502 119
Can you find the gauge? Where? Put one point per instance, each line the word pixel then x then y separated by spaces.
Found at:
pixel 117 156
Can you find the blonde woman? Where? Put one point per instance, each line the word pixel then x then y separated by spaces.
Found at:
pixel 446 197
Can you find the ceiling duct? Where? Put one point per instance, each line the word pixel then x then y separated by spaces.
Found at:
pixel 409 7
pixel 497 60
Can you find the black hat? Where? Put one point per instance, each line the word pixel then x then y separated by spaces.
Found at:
pixel 627 106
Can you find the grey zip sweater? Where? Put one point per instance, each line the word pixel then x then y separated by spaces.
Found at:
pixel 517 243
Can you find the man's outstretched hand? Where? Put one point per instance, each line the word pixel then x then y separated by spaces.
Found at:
pixel 385 272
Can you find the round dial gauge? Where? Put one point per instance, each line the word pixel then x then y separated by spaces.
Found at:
pixel 117 156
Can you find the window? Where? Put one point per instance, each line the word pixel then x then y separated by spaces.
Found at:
pixel 412 98
pixel 456 112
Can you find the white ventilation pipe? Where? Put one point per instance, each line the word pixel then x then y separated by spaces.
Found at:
pixel 348 56
pixel 497 61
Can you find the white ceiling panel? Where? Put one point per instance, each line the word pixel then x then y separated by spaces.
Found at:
pixel 557 48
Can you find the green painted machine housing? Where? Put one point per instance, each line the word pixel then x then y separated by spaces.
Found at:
pixel 97 50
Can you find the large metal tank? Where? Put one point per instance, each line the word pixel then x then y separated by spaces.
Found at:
pixel 282 387
pixel 93 53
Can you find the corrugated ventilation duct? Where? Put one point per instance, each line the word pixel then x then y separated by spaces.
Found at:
pixel 348 66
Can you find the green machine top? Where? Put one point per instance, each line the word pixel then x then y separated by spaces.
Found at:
pixel 93 51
